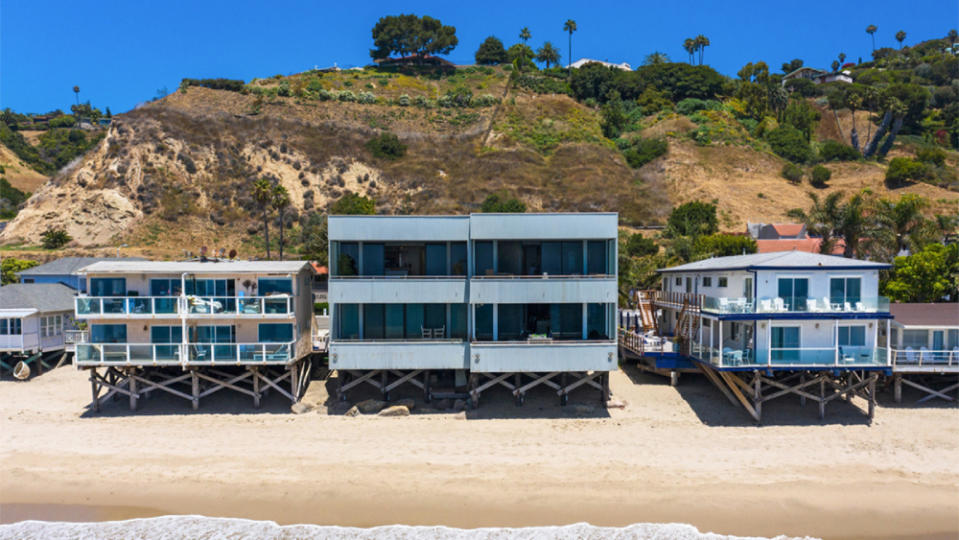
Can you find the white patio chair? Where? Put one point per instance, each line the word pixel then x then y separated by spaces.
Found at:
pixel 426 332
pixel 741 305
pixel 811 304
pixel 724 305
pixel 779 305
pixel 911 356
pixel 439 333
pixel 825 304
pixel 765 306
pixel 846 306
pixel 924 355
pixel 860 307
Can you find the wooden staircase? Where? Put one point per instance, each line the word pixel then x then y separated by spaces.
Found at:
pixel 687 327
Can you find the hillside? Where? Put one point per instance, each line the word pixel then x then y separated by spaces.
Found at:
pixel 175 174
pixel 19 174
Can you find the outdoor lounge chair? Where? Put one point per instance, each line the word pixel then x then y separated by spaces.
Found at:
pixel 740 305
pixel 860 307
pixel 924 355
pixel 811 304
pixel 846 306
pixel 427 333
pixel 439 333
pixel 826 306
pixel 724 305
pixel 911 357
pixel 765 306
pixel 779 305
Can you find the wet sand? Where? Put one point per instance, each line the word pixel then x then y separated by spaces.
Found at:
pixel 680 454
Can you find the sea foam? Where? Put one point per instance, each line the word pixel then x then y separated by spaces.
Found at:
pixel 210 528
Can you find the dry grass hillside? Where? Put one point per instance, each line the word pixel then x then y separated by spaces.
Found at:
pixel 18 173
pixel 175 174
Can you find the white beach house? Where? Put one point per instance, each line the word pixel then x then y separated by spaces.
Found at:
pixel 513 300
pixel 34 320
pixel 925 349
pixel 241 325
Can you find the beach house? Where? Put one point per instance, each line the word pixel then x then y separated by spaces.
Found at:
pixel 483 301
pixel 65 270
pixel 194 328
pixel 34 320
pixel 764 325
pixel 925 349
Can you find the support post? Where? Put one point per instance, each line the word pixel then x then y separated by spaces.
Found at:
pixel 196 389
pixel 757 395
pixel 96 390
pixel 802 381
pixel 256 386
pixel 294 390
pixel 822 397
pixel 872 395
pixel 897 387
pixel 133 388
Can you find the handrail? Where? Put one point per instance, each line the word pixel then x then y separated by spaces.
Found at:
pixel 183 353
pixel 398 277
pixel 86 306
pixel 920 357
pixel 544 276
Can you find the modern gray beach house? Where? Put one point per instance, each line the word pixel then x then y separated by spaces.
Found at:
pixel 484 300
pixel 193 328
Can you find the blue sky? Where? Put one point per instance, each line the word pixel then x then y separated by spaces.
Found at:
pixel 120 52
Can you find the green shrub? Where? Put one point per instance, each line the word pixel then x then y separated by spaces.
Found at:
pixel 486 100
pixel 639 151
pixel 386 146
pixel 820 175
pixel 283 89
pixel 55 238
pixel 502 202
pixel 352 204
pixel 421 101
pixel 366 98
pixel 789 143
pixel 326 95
pixel 62 121
pixel 319 307
pixel 836 151
pixel 902 169
pixel 692 219
pixel 724 245
pixel 792 172
pixel 932 155
pixel 346 95
pixel 403 101
pixel 640 246
pixel 233 85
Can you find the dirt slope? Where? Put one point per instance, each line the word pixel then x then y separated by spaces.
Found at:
pixel 18 173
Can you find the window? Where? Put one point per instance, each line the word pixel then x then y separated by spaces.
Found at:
pixel 347 261
pixel 108 287
pixel 108 333
pixel 845 290
pixel 915 338
pixel 51 326
pixel 10 327
pixel 484 322
pixel 794 292
pixel 785 343
pixel 458 259
pixel 679 281
pixel 348 321
pixel 275 332
pixel 374 321
pixel 267 286
pixel 165 287
pixel 457 321
pixel 373 260
pixel 511 322
pixel 572 258
pixel 551 258
pixel 436 260
pixel 596 257
pixel 166 334
pixel 852 336
pixel 483 255
pixel 596 326
pixel 723 282
pixel 509 257
pixel 707 281
pixel 214 334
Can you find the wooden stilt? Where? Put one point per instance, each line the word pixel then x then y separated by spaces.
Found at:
pixel 822 398
pixel 256 386
pixel 196 389
pixel 133 389
pixel 294 388
pixel 384 378
pixel 802 382
pixel 426 386
pixel 605 392
pixel 897 387
pixel 872 395
pixel 758 396
pixel 96 389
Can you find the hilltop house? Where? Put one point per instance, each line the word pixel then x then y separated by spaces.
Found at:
pixel 773 237
pixel 818 76
pixel 239 325
pixel 485 300
pixel 66 270
pixel 34 321
pixel 583 61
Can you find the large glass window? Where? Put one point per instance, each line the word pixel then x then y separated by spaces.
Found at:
pixel 511 321
pixel 596 257
pixel 458 263
pixel 347 263
pixel 551 258
pixel 415 323
pixel 11 327
pixel 483 258
pixel 108 287
pixel 852 336
pixel 268 286
pixel 108 333
pixel 484 322
pixel 785 343
pixel 374 321
pixel 434 316
pixel 436 260
pixel 794 292
pixel 596 325
pixel 915 338
pixel 458 320
pixel 509 257
pixel 373 261
pixel 845 290
pixel 572 258
pixel 348 321
pixel 275 332
pixel 165 287
pixel 215 334
pixel 166 334
pixel 394 321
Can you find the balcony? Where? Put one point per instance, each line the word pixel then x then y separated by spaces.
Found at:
pixel 798 358
pixel 923 357
pixel 398 289
pixel 518 289
pixel 176 306
pixel 398 354
pixel 538 356
pixel 726 305
pixel 97 354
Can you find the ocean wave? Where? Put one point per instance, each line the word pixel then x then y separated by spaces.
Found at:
pixel 211 528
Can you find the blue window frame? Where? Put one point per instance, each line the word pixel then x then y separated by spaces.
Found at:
pixel 108 287
pixel 347 262
pixel 373 260
pixel 275 332
pixel 483 257
pixel 267 286
pixel 348 321
pixel 436 260
pixel 596 325
pixel 458 263
pixel 165 287
pixel 846 289
pixel 852 336
pixel 794 292
pixel 484 322
pixel 785 343
pixel 596 257
pixel 572 258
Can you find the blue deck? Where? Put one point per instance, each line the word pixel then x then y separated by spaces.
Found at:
pixel 886 370
pixel 670 360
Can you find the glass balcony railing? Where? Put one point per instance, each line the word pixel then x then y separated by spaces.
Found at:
pixel 89 306
pixel 200 353
pixel 923 356
pixel 791 357
pixel 728 305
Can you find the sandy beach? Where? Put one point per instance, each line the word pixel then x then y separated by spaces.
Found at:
pixel 681 454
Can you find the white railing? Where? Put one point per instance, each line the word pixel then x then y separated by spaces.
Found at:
pixel 925 357
pixel 108 306
pixel 183 354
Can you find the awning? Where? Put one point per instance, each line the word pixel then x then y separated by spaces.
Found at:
pixel 16 313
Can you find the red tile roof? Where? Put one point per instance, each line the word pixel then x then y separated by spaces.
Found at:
pixel 788 229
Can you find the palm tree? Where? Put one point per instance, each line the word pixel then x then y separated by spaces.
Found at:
pixel 263 196
pixel 524 34
pixel 701 43
pixel 900 37
pixel 280 200
pixel 853 224
pixel 548 54
pixel 821 219
pixel 903 220
pixel 871 30
pixel 952 36
pixel 656 57
pixel 570 26
pixel 689 45
pixel 842 57
pixel 835 65
pixel 76 92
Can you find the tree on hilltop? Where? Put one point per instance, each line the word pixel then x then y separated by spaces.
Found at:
pixel 524 34
pixel 570 26
pixel 548 54
pixel 871 30
pixel 900 37
pixel 410 35
pixel 490 52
